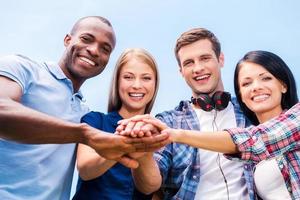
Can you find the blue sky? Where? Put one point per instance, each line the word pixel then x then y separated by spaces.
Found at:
pixel 36 29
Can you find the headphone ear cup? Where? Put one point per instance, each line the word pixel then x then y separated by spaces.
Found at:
pixel 221 99
pixel 205 102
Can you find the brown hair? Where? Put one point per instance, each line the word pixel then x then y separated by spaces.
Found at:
pixel 194 35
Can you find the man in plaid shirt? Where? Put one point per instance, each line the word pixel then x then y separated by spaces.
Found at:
pixel 184 172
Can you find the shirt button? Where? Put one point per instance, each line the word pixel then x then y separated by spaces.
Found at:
pixel 194 177
pixel 289 189
pixel 246 167
pixel 281 166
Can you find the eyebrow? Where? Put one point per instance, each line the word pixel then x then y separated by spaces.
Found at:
pixel 261 74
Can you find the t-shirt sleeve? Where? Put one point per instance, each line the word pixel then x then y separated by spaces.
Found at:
pixel 19 69
pixel 94 119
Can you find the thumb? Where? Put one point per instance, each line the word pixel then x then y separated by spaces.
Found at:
pixel 128 162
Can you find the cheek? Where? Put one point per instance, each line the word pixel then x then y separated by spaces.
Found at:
pixel 244 95
pixel 104 59
pixel 150 87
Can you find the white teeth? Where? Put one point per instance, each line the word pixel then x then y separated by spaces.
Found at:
pixel 260 97
pixel 87 60
pixel 136 94
pixel 201 77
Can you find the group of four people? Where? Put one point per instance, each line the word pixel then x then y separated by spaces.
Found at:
pixel 41 107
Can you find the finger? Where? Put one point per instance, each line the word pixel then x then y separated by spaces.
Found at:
pixel 123 122
pixel 150 128
pixel 150 140
pixel 148 134
pixel 156 122
pixel 120 127
pixel 128 162
pixel 140 147
pixel 134 119
pixel 129 127
pixel 138 127
pixel 141 134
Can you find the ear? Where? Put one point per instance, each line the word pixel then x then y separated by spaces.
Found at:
pixel 283 88
pixel 221 59
pixel 180 70
pixel 67 40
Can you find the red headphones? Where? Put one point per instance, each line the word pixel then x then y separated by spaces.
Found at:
pixel 218 101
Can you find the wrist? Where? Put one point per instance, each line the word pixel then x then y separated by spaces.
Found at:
pixel 176 135
pixel 84 133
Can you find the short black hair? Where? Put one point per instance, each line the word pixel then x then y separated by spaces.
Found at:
pixel 102 19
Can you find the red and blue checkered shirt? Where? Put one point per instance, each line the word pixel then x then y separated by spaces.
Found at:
pixel 280 138
pixel 180 164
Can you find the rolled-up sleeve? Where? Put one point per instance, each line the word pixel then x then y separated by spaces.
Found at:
pixel 272 138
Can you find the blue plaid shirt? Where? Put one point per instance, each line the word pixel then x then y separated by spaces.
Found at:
pixel 180 164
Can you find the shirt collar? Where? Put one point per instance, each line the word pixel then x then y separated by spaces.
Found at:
pixel 55 70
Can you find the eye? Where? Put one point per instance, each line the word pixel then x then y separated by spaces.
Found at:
pixel 187 63
pixel 266 78
pixel 245 84
pixel 205 58
pixel 128 77
pixel 86 39
pixel 106 49
pixel 147 78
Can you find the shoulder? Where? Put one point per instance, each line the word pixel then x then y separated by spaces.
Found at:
pixel 17 60
pixel 184 108
pixel 94 119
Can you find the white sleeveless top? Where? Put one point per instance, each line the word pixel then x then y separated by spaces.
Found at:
pixel 269 181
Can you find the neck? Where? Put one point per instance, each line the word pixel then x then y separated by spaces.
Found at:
pixel 75 82
pixel 265 116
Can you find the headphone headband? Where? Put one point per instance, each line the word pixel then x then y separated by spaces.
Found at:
pixel 218 101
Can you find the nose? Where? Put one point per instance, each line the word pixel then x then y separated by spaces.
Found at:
pixel 256 85
pixel 137 83
pixel 93 49
pixel 198 67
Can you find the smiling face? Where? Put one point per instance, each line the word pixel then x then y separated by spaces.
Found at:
pixel 88 49
pixel 260 91
pixel 136 87
pixel 201 68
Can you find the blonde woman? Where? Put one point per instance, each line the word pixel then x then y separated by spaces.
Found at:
pixel 133 90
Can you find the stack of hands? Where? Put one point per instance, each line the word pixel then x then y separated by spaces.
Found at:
pixel 146 133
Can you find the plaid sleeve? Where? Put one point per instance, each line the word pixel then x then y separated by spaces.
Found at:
pixel 164 156
pixel 272 138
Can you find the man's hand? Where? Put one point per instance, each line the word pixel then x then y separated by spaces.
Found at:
pixel 117 147
pixel 111 146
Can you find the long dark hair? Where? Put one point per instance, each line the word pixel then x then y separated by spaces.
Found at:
pixel 277 67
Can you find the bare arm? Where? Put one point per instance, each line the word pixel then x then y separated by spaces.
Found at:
pixel 90 164
pixel 26 125
pixel 219 141
pixel 214 141
pixel 147 177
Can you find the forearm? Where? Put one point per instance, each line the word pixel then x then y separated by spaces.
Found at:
pixel 147 176
pixel 215 141
pixel 94 167
pixel 26 125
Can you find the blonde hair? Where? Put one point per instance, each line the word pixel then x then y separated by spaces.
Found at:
pixel 114 100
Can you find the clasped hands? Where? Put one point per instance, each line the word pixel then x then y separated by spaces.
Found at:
pixel 134 140
pixel 145 132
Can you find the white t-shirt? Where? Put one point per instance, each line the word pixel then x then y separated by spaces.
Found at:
pixel 212 184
